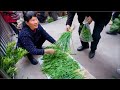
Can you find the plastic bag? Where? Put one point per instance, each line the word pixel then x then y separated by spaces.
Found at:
pixel 85 34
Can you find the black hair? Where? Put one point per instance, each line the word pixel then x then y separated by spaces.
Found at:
pixel 28 15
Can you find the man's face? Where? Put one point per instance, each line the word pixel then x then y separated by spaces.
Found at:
pixel 33 23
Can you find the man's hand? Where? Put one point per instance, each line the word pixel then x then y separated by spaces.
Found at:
pixel 70 29
pixel 49 51
pixel 67 27
pixel 89 19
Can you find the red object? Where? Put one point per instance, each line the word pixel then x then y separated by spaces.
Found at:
pixel 8 17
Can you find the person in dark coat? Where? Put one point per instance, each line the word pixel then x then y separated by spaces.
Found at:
pixel 101 19
pixel 115 15
pixel 32 36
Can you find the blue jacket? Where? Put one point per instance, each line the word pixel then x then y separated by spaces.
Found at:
pixel 28 39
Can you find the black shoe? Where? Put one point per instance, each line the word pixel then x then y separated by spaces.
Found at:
pixel 111 33
pixel 32 60
pixel 91 54
pixel 82 48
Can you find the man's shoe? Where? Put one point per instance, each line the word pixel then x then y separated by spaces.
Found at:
pixel 111 33
pixel 82 48
pixel 32 60
pixel 91 54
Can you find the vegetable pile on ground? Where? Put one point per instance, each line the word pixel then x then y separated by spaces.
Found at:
pixel 11 58
pixel 61 65
pixel 85 34
pixel 116 25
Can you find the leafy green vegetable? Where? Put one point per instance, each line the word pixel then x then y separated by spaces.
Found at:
pixel 11 58
pixel 64 41
pixel 60 65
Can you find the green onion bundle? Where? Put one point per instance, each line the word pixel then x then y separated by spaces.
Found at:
pixel 64 41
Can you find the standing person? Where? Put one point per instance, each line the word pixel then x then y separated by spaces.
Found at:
pixel 11 17
pixel 32 36
pixel 41 16
pixel 101 19
pixel 53 14
pixel 114 32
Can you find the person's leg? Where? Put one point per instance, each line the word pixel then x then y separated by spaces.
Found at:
pixel 114 32
pixel 39 46
pixel 32 59
pixel 42 17
pixel 54 15
pixel 96 37
pixel 115 15
pixel 85 45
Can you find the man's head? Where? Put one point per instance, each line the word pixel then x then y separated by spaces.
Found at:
pixel 31 19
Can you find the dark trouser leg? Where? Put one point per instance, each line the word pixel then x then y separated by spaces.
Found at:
pixel 85 45
pixel 38 45
pixel 115 15
pixel 53 15
pixel 96 35
pixel 40 42
pixel 32 59
pixel 42 17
